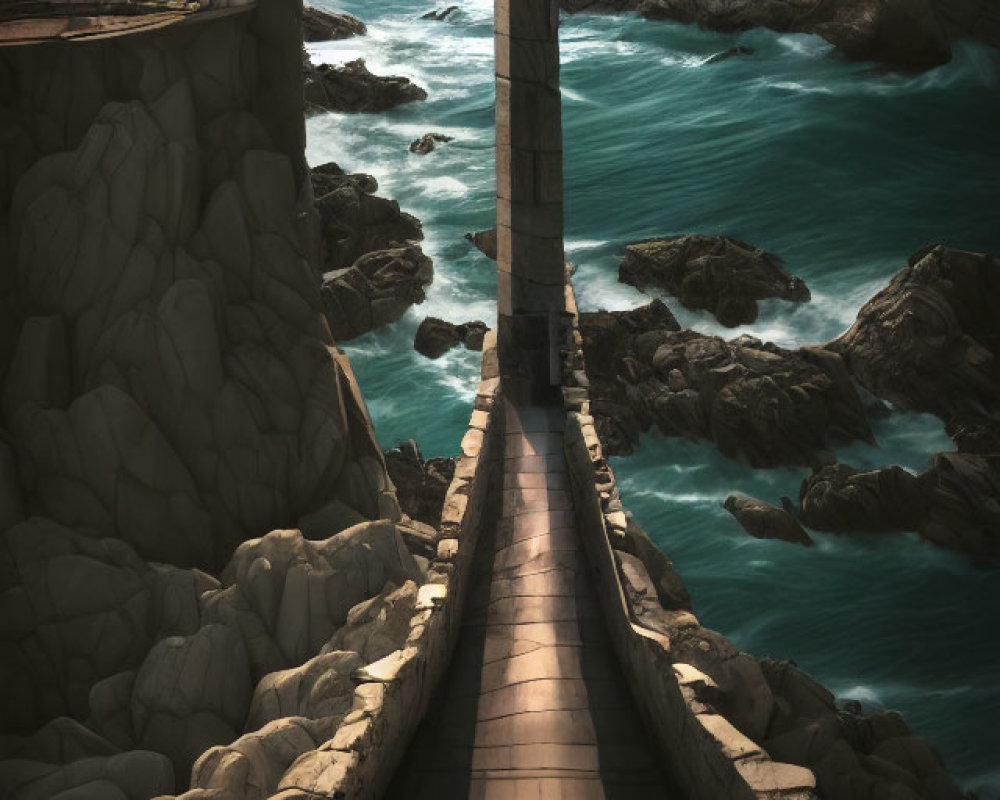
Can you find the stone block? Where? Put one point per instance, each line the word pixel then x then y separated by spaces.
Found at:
pixel 535 116
pixel 528 19
pixel 543 220
pixel 528 60
pixel 516 175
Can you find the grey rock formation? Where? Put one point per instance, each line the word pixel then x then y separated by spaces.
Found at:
pixel 722 275
pixel 755 401
pixel 352 89
pixel 322 26
pixel 905 34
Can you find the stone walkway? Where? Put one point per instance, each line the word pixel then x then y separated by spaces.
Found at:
pixel 535 706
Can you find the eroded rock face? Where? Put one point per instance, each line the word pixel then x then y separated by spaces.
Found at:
pixel 426 143
pixel 765 521
pixel 721 275
pixel 322 26
pixel 420 485
pixel 351 88
pixel 755 401
pixel 435 337
pixel 928 341
pixel 905 34
pixel 838 498
pixel 485 241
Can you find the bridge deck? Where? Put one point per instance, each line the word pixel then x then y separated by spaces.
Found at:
pixel 535 706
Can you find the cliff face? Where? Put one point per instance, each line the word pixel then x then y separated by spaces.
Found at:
pixel 170 389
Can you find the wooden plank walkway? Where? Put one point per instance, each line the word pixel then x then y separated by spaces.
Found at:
pixel 535 705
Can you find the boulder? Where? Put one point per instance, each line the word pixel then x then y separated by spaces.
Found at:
pixel 352 89
pixel 376 290
pixel 435 337
pixel 963 503
pixel 838 498
pixel 485 242
pixel 420 485
pixel 440 15
pixel 354 220
pixel 322 26
pixel 764 521
pixel 755 401
pixel 425 143
pixel 929 340
pixel 724 276
pixel 903 34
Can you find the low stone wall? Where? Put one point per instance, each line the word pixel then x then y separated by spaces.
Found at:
pixel 703 750
pixel 393 694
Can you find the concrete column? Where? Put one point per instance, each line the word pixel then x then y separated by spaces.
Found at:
pixel 529 197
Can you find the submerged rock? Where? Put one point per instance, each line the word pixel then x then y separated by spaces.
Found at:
pixel 440 15
pixel 755 401
pixel 351 88
pixel 764 521
pixel 724 276
pixel 435 337
pixel 323 26
pixel 738 50
pixel 905 34
pixel 425 143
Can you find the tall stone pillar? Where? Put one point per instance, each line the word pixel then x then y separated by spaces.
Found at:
pixel 529 198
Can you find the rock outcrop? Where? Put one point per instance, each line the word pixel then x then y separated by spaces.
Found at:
pixel 435 337
pixel 485 241
pixel 764 521
pixel 351 88
pixel 755 401
pixel 929 340
pixel 904 34
pixel 425 143
pixel 322 26
pixel 420 485
pixel 721 275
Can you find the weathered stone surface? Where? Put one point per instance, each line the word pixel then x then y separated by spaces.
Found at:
pixel 322 26
pixel 838 498
pixel 377 627
pixel 425 143
pixel 928 341
pixel 485 242
pixel 670 588
pixel 137 775
pixel 765 521
pixel 903 34
pixel 755 401
pixel 420 485
pixel 435 337
pixel 724 276
pixel 354 219
pixel 351 88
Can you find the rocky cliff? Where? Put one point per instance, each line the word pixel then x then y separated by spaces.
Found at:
pixel 192 498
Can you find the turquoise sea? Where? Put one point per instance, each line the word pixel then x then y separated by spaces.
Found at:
pixel 843 170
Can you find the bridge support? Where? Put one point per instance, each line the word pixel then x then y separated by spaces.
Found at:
pixel 530 257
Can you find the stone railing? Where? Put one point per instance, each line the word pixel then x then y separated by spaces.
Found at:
pixel 703 750
pixel 394 693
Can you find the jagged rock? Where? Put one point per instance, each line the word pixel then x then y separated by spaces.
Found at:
pixel 354 220
pixel 755 401
pixel 725 276
pixel 928 341
pixel 440 15
pixel 905 34
pixel 765 521
pixel 485 242
pixel 963 503
pixel 420 485
pixel 322 26
pixel 376 290
pixel 352 89
pixel 425 143
pixel 838 498
pixel 379 626
pixel 670 588
pixel 435 337
pixel 977 18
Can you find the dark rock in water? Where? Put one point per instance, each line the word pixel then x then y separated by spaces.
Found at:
pixel 351 88
pixel 977 18
pixel 440 15
pixel 739 50
pixel 764 521
pixel 355 221
pixel 420 485
pixel 755 401
pixel 425 143
pixel 485 241
pixel 930 341
pixel 963 505
pixel 322 26
pixel 722 275
pixel 904 34
pixel 376 290
pixel 837 498
pixel 435 337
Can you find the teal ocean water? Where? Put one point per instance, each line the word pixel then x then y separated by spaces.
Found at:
pixel 841 169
